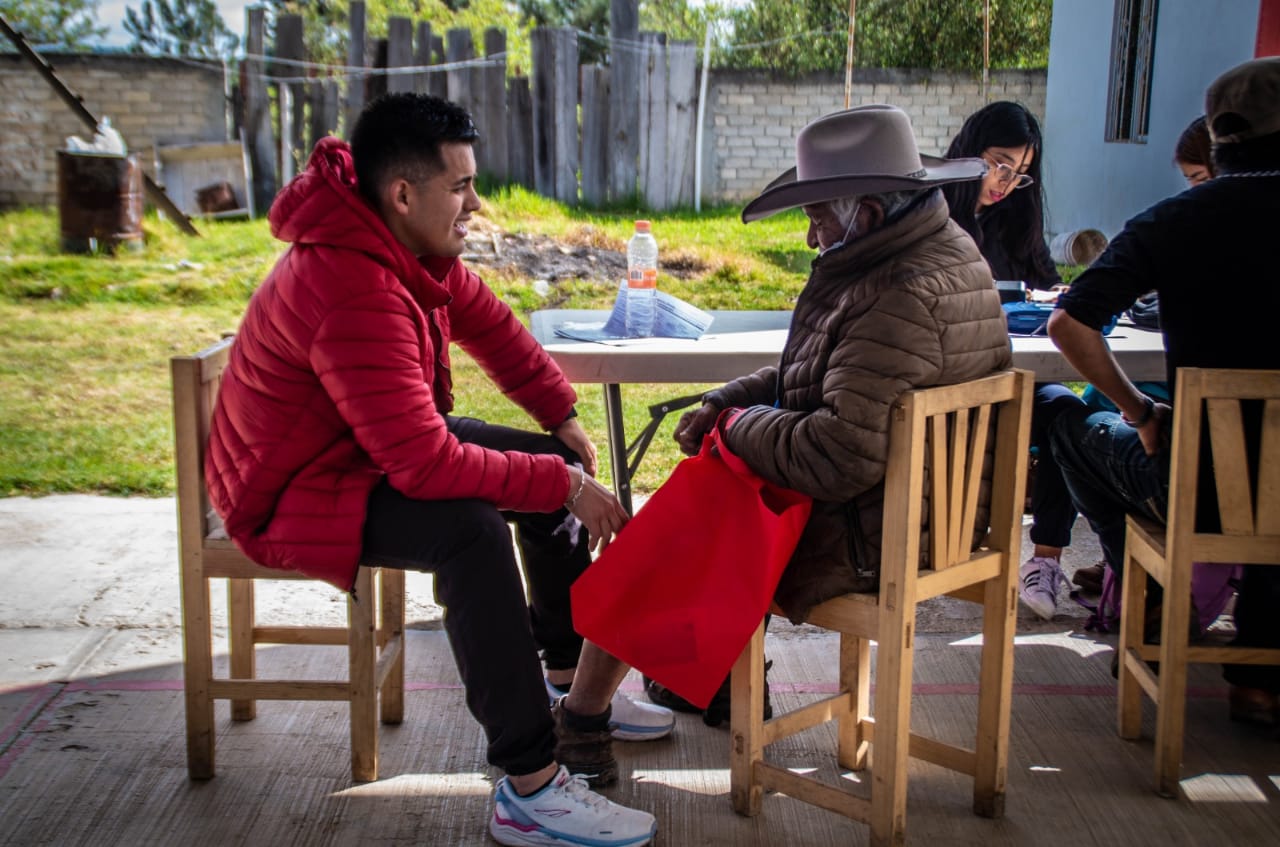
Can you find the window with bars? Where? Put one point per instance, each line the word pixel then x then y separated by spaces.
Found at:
pixel 1133 38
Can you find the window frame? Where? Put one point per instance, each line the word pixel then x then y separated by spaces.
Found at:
pixel 1133 38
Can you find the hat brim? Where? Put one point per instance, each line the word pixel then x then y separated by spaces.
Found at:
pixel 786 192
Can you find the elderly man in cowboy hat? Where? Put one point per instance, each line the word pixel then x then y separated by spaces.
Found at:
pixel 898 298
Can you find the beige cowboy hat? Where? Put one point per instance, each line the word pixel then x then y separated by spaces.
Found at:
pixel 864 150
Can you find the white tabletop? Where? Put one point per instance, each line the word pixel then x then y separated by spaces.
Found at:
pixel 738 343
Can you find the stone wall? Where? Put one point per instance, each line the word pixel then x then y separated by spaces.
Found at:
pixel 149 100
pixel 753 119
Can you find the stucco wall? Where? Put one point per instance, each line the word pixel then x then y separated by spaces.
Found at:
pixel 753 119
pixel 150 101
pixel 1092 183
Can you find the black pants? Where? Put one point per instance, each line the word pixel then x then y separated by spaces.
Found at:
pixel 1053 513
pixel 494 631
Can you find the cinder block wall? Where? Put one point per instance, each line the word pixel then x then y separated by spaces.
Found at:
pixel 149 100
pixel 753 119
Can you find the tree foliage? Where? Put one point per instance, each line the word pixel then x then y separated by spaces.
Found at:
pixel 327 28
pixel 676 18
pixel 67 24
pixel 811 35
pixel 179 28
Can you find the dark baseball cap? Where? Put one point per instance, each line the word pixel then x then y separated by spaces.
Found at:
pixel 1244 102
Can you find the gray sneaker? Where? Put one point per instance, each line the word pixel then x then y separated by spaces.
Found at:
pixel 587 752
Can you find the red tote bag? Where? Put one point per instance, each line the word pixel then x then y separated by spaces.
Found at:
pixel 680 590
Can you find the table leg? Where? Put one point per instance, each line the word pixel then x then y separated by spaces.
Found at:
pixel 617 443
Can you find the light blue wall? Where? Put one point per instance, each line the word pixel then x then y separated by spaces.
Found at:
pixel 1090 183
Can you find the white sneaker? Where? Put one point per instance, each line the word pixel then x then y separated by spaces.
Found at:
pixel 1041 576
pixel 630 719
pixel 566 812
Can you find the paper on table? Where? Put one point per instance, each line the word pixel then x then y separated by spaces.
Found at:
pixel 672 318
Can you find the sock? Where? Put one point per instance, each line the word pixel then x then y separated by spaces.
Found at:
pixel 586 723
pixel 536 790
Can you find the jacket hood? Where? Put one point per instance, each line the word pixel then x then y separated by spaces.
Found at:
pixel 322 206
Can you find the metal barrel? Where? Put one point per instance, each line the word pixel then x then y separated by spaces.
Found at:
pixel 99 201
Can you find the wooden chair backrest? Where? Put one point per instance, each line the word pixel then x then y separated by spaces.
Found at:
pixel 1248 492
pixel 196 380
pixel 952 426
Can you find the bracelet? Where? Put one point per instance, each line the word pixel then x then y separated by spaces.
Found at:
pixel 1148 409
pixel 582 484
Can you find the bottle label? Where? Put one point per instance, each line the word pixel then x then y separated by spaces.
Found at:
pixel 642 278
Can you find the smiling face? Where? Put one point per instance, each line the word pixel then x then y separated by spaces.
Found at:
pixel 1004 166
pixel 430 216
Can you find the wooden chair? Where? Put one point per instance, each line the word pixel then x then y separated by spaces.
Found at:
pixel 951 425
pixel 376 653
pixel 1250 534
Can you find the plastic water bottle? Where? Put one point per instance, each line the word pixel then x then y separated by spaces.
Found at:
pixel 642 281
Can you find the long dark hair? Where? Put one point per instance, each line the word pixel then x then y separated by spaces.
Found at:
pixel 1018 218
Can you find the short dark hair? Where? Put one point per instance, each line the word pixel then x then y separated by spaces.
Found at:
pixel 1256 154
pixel 1193 146
pixel 399 135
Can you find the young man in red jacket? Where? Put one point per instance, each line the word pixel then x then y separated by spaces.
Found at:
pixel 333 444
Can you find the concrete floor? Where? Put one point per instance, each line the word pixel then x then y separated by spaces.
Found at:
pixel 92 747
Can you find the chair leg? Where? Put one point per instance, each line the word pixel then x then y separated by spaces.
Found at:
pixel 240 620
pixel 1133 600
pixel 894 662
pixel 197 670
pixel 1171 712
pixel 995 694
pixel 391 695
pixel 362 650
pixel 746 725
pixel 855 678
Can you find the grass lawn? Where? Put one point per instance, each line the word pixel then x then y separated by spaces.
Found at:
pixel 85 340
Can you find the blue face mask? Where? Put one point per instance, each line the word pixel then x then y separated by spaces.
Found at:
pixel 853 218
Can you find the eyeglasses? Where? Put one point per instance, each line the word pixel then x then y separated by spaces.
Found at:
pixel 1006 175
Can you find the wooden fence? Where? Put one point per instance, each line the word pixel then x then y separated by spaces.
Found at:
pixel 578 134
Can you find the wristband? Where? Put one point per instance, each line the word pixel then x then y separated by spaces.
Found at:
pixel 1148 409
pixel 582 484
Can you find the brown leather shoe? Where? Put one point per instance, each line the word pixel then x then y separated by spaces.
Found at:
pixel 1253 705
pixel 584 745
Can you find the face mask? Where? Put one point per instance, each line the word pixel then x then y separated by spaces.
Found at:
pixel 852 220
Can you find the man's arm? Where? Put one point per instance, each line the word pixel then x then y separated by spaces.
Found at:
pixel 1087 352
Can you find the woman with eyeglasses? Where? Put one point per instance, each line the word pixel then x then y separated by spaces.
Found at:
pixel 1004 213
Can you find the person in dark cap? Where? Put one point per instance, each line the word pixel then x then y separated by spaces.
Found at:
pixel 1210 254
pixel 898 298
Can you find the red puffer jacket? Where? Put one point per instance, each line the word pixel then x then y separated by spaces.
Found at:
pixel 340 375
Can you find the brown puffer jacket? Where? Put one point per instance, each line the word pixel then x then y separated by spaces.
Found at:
pixel 908 306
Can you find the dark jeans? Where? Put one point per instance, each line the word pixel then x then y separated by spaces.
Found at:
pixel 1110 476
pixel 1052 511
pixel 494 631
